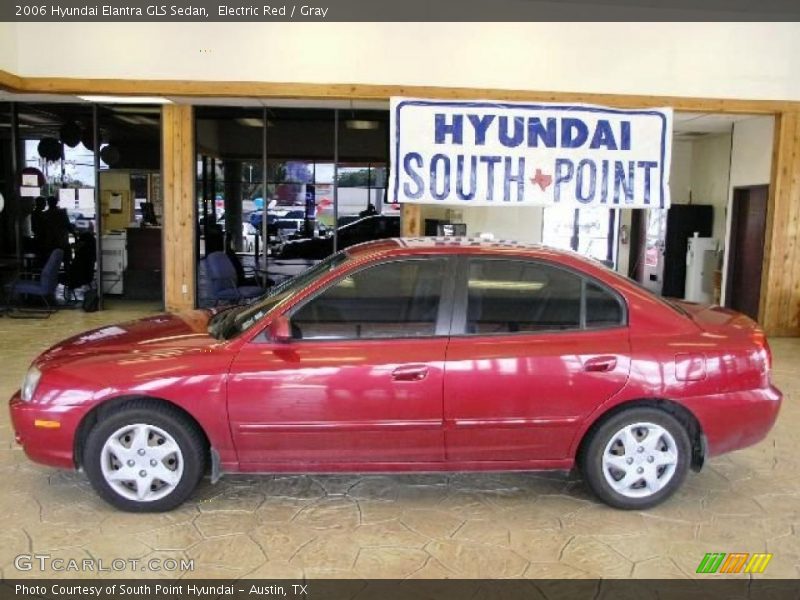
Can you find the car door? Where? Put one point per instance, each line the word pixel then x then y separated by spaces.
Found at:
pixel 535 349
pixel 360 382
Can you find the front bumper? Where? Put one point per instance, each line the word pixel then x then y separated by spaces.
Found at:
pixel 732 421
pixel 46 435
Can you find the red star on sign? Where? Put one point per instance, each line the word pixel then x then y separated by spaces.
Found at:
pixel 543 180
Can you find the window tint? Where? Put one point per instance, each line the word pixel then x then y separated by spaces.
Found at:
pixel 602 308
pixel 396 299
pixel 512 296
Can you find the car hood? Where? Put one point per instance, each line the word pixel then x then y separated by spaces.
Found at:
pixel 170 333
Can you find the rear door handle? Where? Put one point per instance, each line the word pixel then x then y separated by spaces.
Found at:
pixel 410 373
pixel 600 364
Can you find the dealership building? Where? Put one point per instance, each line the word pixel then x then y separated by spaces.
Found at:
pixel 188 109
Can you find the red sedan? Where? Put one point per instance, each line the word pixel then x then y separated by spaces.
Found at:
pixel 408 355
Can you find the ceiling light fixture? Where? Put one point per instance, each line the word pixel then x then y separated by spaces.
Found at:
pixel 128 109
pixel 361 124
pixel 126 99
pixel 36 118
pixel 250 121
pixel 486 284
pixel 137 120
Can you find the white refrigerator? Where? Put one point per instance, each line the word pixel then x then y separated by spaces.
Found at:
pixel 701 262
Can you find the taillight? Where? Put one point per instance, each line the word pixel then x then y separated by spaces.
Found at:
pixel 765 354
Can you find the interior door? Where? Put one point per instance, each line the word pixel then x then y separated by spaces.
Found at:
pixel 361 382
pixel 540 348
pixel 746 254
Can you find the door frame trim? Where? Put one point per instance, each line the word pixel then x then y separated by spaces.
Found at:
pixel 731 243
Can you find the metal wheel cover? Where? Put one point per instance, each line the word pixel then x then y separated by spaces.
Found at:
pixel 141 462
pixel 639 460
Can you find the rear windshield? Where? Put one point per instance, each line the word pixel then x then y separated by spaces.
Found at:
pixel 665 301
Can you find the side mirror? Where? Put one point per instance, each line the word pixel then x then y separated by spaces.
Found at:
pixel 280 330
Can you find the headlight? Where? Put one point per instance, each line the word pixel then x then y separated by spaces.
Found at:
pixel 29 384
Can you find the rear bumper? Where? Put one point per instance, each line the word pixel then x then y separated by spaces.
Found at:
pixel 46 436
pixel 736 420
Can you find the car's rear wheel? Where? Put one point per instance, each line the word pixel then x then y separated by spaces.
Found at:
pixel 144 457
pixel 637 458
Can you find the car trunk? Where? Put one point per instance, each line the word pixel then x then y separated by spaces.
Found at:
pixel 734 325
pixel 716 319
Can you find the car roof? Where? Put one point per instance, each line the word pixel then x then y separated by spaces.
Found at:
pixel 467 245
pixel 452 245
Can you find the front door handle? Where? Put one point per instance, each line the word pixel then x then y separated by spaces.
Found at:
pixel 600 364
pixel 410 373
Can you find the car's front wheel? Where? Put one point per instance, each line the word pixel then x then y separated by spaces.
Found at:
pixel 144 457
pixel 637 458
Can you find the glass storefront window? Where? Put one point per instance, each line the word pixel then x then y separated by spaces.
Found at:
pixel 106 223
pixel 594 226
pixel 559 227
pixel 313 172
pixel 361 189
pixel 588 231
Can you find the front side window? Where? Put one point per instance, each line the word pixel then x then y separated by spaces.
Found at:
pixel 398 299
pixel 234 321
pixel 511 296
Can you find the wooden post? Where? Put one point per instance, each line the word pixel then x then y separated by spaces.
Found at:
pixel 178 175
pixel 779 310
pixel 411 220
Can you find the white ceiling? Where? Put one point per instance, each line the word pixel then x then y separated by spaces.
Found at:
pixel 703 123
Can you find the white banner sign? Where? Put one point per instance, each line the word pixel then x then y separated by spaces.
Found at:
pixel 510 154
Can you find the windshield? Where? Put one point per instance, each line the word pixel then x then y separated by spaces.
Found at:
pixel 235 320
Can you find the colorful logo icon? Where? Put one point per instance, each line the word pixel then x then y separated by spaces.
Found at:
pixel 735 562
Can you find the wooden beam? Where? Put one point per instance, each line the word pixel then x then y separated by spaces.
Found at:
pixel 411 220
pixel 178 176
pixel 779 309
pixel 11 82
pixel 356 91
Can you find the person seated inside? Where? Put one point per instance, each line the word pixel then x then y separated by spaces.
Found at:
pixel 81 270
pixel 56 228
pixel 241 276
pixel 369 211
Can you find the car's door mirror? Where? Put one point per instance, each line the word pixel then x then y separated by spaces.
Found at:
pixel 280 330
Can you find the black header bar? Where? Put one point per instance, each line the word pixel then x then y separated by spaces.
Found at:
pixel 710 586
pixel 264 11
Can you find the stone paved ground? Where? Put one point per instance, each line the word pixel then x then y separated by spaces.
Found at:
pixel 460 525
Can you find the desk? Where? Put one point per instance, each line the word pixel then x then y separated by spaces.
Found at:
pixel 144 248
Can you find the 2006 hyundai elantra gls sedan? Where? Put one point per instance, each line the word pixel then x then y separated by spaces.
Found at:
pixel 407 355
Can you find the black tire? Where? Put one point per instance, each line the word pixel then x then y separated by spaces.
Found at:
pixel 186 434
pixel 591 459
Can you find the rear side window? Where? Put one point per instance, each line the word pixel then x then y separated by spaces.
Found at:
pixel 603 309
pixel 511 296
